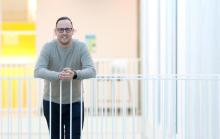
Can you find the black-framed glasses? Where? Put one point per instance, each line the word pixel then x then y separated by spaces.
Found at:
pixel 61 30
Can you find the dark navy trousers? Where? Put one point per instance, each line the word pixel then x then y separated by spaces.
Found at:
pixel 65 124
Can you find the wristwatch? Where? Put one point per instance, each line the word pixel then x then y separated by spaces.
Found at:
pixel 75 75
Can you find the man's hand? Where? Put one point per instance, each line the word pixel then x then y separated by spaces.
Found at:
pixel 66 74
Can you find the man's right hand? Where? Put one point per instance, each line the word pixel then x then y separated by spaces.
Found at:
pixel 66 74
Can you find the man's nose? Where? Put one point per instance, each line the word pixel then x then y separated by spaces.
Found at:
pixel 64 32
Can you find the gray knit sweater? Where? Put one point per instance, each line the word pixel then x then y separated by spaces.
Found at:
pixel 53 59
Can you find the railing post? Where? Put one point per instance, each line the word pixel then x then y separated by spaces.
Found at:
pixel 50 110
pixel 60 109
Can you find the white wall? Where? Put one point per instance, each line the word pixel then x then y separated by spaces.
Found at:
pixel 113 21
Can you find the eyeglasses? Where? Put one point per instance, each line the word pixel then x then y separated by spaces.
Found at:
pixel 61 30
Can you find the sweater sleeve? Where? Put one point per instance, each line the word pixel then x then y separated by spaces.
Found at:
pixel 41 68
pixel 88 70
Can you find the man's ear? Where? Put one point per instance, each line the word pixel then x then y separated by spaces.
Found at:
pixel 55 31
pixel 54 34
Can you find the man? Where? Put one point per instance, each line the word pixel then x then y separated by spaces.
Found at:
pixel 61 62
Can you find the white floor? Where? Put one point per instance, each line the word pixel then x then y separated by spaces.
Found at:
pixel 106 127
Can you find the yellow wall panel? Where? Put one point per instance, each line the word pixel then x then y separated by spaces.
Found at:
pixel 18 39
pixel 24 45
pixel 15 26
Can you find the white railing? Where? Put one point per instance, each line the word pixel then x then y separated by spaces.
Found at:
pixel 122 66
pixel 121 107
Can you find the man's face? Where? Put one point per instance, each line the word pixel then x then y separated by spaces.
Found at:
pixel 64 31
